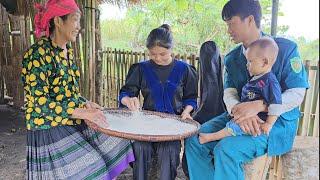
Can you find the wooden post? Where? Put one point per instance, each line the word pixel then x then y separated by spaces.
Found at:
pixel 315 114
pixel 86 50
pixel 1 57
pixel 274 20
pixel 6 53
pixel 99 63
pixel 307 108
pixel 92 52
pixel 258 168
pixel 18 47
pixel 108 74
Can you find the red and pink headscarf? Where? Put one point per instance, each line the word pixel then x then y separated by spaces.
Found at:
pixel 50 10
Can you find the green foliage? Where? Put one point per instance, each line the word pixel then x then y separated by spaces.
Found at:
pixel 309 50
pixel 192 21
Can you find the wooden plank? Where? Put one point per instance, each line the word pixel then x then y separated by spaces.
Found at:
pixel 6 53
pixel 114 78
pixel 93 50
pixel 316 106
pixel 118 74
pixel 272 169
pixel 279 169
pixel 1 58
pixel 257 170
pixel 314 81
pixel 307 108
pixel 98 69
pixel 18 46
pixel 109 74
pixel 316 120
pixel 86 49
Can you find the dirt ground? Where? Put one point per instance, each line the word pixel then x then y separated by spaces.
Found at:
pixel 12 147
pixel 12 143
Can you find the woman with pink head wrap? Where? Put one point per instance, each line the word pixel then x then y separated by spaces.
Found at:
pixel 62 142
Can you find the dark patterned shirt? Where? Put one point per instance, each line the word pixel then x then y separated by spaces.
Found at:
pixel 51 85
pixel 266 88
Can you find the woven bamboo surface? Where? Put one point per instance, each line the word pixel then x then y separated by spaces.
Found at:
pixel 150 138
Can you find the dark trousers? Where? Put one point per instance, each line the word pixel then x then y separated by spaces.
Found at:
pixel 166 153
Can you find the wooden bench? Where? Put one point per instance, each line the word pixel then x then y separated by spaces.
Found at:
pixel 258 168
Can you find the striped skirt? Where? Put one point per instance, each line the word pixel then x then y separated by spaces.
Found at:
pixel 75 152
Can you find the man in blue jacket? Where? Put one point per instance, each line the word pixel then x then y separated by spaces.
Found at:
pixel 224 159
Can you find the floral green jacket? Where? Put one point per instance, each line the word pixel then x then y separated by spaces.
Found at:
pixel 51 85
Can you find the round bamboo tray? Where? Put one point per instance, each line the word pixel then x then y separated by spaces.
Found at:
pixel 149 138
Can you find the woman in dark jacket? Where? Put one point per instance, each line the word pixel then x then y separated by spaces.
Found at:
pixel 167 85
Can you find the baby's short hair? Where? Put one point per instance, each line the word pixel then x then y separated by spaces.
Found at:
pixel 267 46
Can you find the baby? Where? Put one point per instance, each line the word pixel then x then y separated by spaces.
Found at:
pixel 261 56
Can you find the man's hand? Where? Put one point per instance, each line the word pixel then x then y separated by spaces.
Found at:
pixel 246 110
pixel 266 127
pixel 251 125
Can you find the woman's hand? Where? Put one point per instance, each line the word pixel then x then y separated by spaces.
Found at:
pixel 92 117
pixel 131 102
pixel 185 116
pixel 186 113
pixel 92 105
pixel 92 125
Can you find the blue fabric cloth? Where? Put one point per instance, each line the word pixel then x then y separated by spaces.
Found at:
pixel 173 86
pixel 163 93
pixel 234 129
pixel 229 153
pixel 265 87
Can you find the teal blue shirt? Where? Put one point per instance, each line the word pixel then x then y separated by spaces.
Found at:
pixel 289 71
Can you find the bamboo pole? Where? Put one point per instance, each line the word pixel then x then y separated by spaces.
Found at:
pixel 315 103
pixel 92 52
pixel 109 59
pixel 99 75
pixel 1 57
pixel 306 113
pixel 17 23
pixel 6 54
pixel 114 78
pixel 274 18
pixel 315 132
pixel 86 48
pixel 118 60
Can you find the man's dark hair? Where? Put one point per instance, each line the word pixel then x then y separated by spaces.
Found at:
pixel 243 9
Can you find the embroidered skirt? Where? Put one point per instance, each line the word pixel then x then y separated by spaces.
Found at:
pixel 75 152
